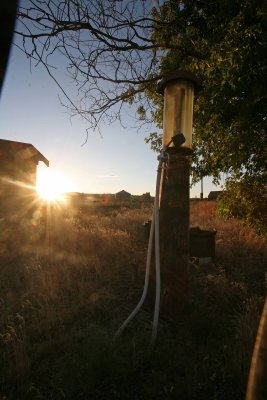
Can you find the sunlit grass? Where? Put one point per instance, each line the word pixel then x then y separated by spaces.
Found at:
pixel 59 310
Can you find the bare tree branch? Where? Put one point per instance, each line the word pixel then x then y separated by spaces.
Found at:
pixel 108 46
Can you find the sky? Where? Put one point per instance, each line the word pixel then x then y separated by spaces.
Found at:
pixel 118 159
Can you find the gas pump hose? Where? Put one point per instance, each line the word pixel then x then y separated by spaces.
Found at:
pixel 154 233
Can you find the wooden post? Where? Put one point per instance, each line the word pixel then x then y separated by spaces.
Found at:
pixel 257 383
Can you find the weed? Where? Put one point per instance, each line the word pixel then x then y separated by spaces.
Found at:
pixel 65 292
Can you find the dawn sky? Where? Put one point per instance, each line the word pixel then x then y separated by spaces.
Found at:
pixel 30 111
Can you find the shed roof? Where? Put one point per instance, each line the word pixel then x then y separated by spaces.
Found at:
pixel 214 194
pixel 21 151
pixel 123 193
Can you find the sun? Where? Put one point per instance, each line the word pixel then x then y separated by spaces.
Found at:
pixel 51 185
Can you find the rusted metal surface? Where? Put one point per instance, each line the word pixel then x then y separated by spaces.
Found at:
pixel 174 228
pixel 178 75
pixel 174 237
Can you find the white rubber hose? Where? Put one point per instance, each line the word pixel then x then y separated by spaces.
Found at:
pixel 148 262
pixel 157 258
pixel 154 227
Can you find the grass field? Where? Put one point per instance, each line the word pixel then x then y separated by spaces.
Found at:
pixel 64 293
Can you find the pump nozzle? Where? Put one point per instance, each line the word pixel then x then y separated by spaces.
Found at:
pixel 178 139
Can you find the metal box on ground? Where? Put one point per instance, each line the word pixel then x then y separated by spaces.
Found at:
pixel 202 242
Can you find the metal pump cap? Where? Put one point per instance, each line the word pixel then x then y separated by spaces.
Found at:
pixel 176 76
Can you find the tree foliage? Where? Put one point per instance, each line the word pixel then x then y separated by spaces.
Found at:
pixel 230 39
pixel 245 199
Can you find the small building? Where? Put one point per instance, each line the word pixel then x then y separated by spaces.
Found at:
pixel 123 195
pixel 18 165
pixel 18 161
pixel 213 195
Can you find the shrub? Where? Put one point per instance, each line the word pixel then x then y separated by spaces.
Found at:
pixel 246 200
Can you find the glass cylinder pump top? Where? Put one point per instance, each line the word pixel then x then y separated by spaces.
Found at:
pixel 178 111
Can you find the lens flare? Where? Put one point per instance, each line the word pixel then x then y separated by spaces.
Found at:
pixel 52 185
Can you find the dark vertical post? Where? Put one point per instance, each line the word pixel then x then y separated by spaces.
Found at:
pixel 174 232
pixel 257 382
pixel 201 193
pixel 48 225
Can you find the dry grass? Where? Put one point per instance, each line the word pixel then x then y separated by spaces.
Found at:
pixel 240 250
pixel 63 296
